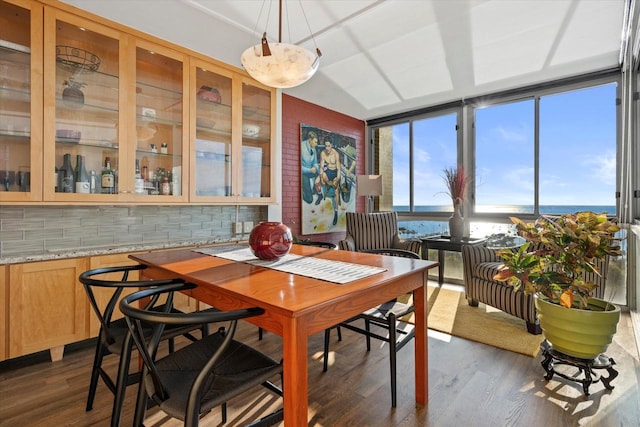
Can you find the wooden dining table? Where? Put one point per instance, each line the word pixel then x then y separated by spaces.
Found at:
pixel 297 306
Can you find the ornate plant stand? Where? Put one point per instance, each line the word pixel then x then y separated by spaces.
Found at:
pixel 586 374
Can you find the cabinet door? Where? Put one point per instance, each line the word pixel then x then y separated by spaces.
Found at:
pixel 4 302
pixel 82 109
pixel 103 295
pixel 256 178
pixel 20 101
pixel 211 161
pixel 161 139
pixel 48 306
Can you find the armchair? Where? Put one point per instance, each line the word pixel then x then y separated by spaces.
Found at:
pixel 480 264
pixel 379 230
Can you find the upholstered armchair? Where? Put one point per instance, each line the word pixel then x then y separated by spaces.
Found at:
pixel 379 230
pixel 480 264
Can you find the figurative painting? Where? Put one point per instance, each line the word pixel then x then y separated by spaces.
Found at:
pixel 328 180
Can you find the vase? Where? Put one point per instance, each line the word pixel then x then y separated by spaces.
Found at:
pixel 576 332
pixel 270 240
pixel 456 225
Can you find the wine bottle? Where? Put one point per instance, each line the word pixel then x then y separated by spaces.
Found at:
pixel 108 179
pixel 139 185
pixel 68 181
pixel 81 176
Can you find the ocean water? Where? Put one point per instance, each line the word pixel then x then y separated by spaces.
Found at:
pixel 417 228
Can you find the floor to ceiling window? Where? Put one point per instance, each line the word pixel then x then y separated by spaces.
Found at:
pixel 547 149
pixel 547 154
pixel 412 156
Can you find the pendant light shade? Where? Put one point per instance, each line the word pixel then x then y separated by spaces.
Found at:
pixel 280 65
pixel 287 66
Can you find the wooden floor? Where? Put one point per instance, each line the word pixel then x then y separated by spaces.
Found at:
pixel 470 384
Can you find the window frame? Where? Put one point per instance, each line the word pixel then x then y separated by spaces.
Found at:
pixel 466 138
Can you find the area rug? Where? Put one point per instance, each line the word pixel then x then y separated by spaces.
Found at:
pixel 450 313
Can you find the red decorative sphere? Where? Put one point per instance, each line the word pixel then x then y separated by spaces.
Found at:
pixel 270 240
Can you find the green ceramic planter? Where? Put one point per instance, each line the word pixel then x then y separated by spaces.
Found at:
pixel 579 333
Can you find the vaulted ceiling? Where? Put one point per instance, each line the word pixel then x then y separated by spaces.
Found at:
pixel 381 57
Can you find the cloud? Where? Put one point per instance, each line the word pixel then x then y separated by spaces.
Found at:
pixel 603 167
pixel 421 155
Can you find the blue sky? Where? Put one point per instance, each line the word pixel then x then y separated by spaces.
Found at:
pixel 577 152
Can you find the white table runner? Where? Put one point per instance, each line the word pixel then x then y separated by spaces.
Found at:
pixel 323 269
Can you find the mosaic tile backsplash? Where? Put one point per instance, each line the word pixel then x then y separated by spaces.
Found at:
pixel 27 230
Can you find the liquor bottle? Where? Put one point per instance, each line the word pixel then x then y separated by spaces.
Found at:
pixel 108 179
pixel 56 178
pixel 67 180
pixel 139 184
pixel 81 176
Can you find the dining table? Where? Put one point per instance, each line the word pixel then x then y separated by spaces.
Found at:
pixel 297 305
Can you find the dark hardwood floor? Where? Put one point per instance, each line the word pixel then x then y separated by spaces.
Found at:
pixel 470 384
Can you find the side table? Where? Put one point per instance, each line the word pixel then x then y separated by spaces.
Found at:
pixel 446 243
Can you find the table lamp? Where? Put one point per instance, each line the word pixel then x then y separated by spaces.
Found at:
pixel 369 186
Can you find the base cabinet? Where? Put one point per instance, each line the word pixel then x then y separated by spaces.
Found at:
pixel 103 295
pixel 47 306
pixel 43 305
pixel 4 302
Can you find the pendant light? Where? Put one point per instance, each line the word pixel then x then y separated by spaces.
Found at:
pixel 281 65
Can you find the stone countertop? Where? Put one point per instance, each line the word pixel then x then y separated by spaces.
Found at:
pixel 111 250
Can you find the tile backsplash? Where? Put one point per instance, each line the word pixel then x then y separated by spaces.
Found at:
pixel 36 230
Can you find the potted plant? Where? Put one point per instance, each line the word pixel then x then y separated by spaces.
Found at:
pixel 457 182
pixel 558 263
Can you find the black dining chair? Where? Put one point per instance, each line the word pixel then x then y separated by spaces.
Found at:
pixel 385 317
pixel 202 375
pixel 114 336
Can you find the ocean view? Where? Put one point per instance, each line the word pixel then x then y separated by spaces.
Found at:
pixel 419 228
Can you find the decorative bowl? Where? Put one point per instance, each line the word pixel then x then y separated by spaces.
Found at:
pixel 250 130
pixel 210 94
pixel 68 135
pixel 270 240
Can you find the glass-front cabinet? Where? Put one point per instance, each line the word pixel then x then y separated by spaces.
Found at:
pixel 212 166
pixel 90 113
pixel 20 101
pixel 256 141
pixel 232 135
pixel 82 139
pixel 161 140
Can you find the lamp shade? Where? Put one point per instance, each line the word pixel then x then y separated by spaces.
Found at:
pixel 369 185
pixel 287 66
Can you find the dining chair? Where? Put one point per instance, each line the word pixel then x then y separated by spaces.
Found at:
pixel 114 337
pixel 387 317
pixel 202 375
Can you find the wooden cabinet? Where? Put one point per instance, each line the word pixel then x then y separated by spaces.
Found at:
pixel 258 135
pixel 43 305
pixel 161 147
pixel 47 306
pixel 175 126
pixel 103 295
pixel 232 134
pixel 4 319
pixel 182 302
pixel 119 106
pixel 20 101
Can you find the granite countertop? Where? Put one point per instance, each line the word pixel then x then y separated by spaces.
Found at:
pixel 141 247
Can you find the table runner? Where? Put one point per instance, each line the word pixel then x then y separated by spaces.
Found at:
pixel 323 269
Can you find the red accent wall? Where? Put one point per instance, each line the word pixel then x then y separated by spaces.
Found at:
pixel 294 113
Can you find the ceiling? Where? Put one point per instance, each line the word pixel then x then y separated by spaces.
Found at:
pixel 382 57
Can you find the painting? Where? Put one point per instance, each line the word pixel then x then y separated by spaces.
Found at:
pixel 328 180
